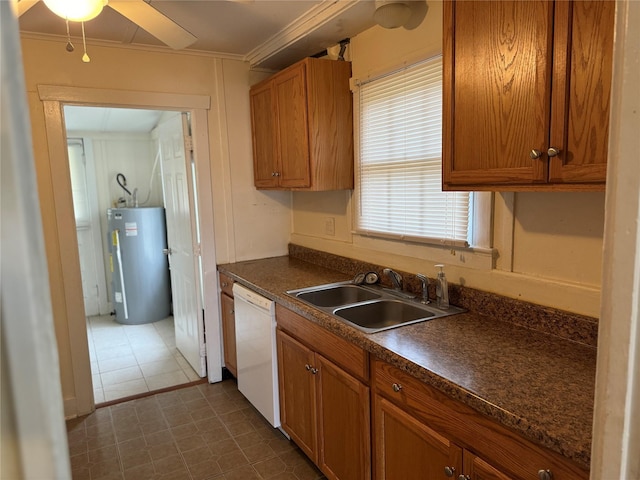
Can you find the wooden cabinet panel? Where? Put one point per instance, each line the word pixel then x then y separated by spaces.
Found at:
pixel 263 122
pixel 499 62
pixel 477 469
pixel 345 354
pixel 582 90
pixel 292 132
pixel 302 123
pixel 297 389
pixel 229 333
pixel 226 284
pixel 323 407
pixel 500 446
pixel 408 449
pixel 344 432
pixel 523 77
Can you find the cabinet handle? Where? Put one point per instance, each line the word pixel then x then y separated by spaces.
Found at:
pixel 545 475
pixel 314 370
pixel 396 387
pixel 277 174
pixel 449 471
pixel 308 367
pixel 464 477
pixel 535 154
pixel 553 152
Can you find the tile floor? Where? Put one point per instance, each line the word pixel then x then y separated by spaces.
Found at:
pixel 202 432
pixel 132 359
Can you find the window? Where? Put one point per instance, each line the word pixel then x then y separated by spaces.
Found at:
pixel 399 186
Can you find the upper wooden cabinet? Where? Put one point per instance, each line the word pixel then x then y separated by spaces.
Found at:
pixel 302 126
pixel 524 80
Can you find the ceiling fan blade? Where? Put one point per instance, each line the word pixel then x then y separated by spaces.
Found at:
pixel 25 5
pixel 154 22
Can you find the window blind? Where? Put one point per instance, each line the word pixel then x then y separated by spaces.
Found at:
pixel 400 160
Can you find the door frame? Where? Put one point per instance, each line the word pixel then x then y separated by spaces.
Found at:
pixel 54 98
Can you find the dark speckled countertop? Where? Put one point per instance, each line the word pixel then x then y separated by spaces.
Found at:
pixel 538 384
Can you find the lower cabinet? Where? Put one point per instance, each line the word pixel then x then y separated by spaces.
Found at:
pixel 228 323
pixel 229 333
pixel 406 448
pixel 420 433
pixel 324 408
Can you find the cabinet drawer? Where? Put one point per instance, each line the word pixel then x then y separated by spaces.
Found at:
pixel 346 355
pixel 226 284
pixel 497 444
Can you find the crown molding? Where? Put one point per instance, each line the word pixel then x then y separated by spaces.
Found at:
pixel 299 28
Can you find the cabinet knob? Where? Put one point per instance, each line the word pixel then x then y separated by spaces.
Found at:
pixel 535 154
pixel 545 475
pixel 464 477
pixel 277 174
pixel 553 152
pixel 225 284
pixel 314 370
pixel 232 311
pixel 449 471
pixel 308 367
pixel 396 387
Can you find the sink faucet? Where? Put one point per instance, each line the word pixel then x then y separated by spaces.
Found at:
pixel 396 278
pixel 425 287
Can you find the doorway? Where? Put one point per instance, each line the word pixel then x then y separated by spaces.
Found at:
pixel 116 160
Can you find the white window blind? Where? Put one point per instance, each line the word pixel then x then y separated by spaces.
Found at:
pixel 400 160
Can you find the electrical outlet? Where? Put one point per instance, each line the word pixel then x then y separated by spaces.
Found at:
pixel 330 226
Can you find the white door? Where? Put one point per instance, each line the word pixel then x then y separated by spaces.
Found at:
pixel 183 250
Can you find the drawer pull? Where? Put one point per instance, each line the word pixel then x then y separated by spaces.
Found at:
pixel 545 475
pixel 396 387
pixel 449 471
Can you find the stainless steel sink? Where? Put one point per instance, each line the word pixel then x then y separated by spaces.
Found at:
pixel 383 314
pixel 369 308
pixel 335 296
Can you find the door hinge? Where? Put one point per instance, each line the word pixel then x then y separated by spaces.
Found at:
pixel 188 143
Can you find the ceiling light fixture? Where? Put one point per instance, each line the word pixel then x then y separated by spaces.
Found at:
pixel 76 10
pixel 391 14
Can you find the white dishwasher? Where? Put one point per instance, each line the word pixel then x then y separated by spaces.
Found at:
pixel 257 361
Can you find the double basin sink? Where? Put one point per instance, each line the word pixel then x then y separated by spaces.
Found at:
pixel 370 309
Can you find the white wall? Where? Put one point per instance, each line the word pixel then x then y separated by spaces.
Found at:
pixel 548 245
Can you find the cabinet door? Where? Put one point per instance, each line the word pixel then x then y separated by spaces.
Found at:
pixel 406 448
pixel 497 88
pixel 229 333
pixel 581 90
pixel 292 127
pixel 263 120
pixel 477 469
pixel 344 430
pixel 297 386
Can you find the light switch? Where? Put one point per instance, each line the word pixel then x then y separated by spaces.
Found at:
pixel 330 226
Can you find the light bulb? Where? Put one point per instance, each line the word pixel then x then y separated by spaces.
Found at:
pixel 76 10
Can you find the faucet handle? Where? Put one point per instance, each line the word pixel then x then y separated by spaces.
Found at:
pixel 425 287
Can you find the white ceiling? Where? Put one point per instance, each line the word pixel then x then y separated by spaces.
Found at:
pixel 107 120
pixel 268 33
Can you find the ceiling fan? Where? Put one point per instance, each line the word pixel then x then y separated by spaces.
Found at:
pixel 138 11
